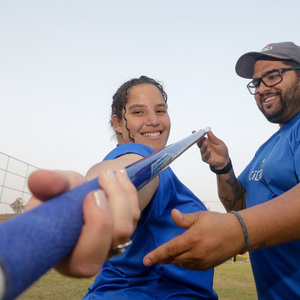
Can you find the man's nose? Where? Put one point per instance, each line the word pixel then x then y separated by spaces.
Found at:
pixel 262 88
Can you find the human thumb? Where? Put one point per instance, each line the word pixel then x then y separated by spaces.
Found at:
pixel 183 220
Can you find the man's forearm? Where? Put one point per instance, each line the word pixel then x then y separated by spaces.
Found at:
pixel 274 222
pixel 230 191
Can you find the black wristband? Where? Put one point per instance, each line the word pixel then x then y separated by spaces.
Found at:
pixel 225 170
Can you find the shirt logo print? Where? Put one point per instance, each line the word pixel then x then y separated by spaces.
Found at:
pixel 256 175
pixel 262 164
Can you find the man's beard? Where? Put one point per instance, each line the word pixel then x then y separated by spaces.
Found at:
pixel 288 107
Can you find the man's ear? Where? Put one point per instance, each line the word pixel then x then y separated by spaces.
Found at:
pixel 117 123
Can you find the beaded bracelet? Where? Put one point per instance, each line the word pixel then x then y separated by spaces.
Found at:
pixel 245 231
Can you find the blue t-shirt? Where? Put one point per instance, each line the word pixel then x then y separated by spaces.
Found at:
pixel 274 170
pixel 125 276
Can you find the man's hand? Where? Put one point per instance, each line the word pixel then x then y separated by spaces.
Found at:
pixel 210 240
pixel 213 151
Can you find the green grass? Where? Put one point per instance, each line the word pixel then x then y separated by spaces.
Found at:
pixel 232 281
pixel 57 287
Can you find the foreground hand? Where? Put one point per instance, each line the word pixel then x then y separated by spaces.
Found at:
pixel 210 240
pixel 117 201
pixel 213 151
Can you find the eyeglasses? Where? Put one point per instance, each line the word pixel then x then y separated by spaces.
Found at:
pixel 269 79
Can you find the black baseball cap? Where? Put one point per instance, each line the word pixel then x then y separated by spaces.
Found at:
pixel 278 51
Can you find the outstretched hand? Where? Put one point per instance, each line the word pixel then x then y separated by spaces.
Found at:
pixel 211 239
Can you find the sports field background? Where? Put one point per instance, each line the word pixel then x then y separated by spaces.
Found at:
pixel 233 281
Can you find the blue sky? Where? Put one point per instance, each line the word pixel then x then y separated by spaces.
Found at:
pixel 61 62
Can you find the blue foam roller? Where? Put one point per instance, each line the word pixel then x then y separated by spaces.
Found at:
pixel 39 239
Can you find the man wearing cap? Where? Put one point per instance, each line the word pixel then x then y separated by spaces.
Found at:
pixel 268 188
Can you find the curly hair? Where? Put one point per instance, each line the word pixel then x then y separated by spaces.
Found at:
pixel 120 98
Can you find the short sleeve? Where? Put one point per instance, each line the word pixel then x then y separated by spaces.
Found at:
pixel 135 148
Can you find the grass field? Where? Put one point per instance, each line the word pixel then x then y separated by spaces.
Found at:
pixel 232 281
pixel 235 281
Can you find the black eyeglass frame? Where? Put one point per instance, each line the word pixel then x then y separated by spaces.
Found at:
pixel 261 79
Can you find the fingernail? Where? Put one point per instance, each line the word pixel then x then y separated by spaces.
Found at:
pixel 147 262
pixel 110 174
pixel 100 199
pixel 123 173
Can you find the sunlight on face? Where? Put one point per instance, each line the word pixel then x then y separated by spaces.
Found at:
pixel 281 102
pixel 145 118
